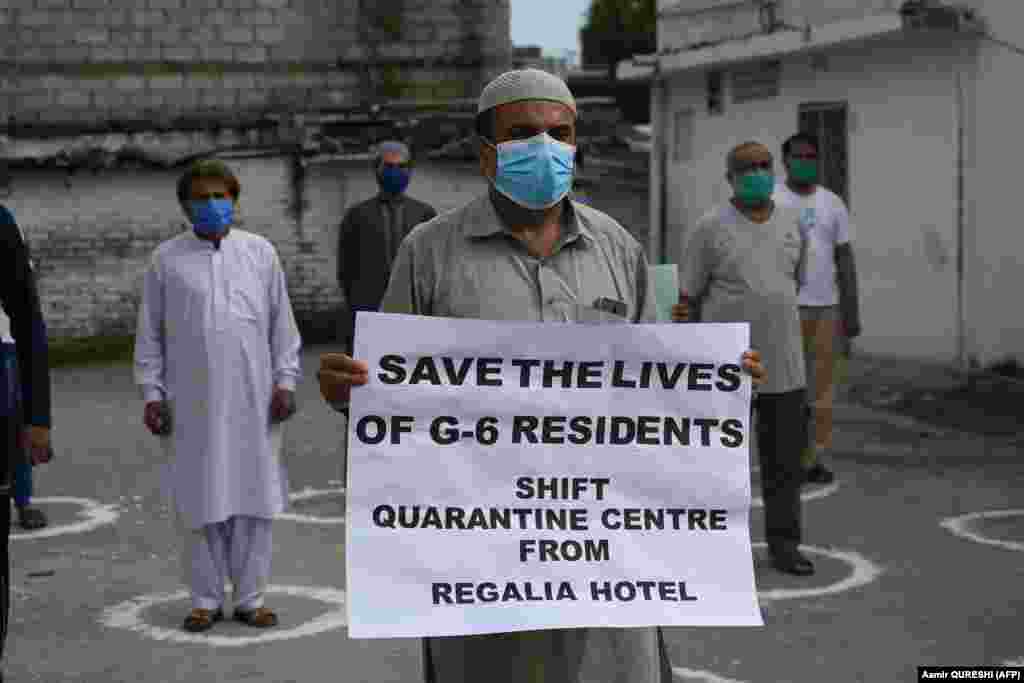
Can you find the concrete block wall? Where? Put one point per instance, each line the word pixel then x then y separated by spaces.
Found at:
pixel 433 36
pixel 92 238
pixel 101 60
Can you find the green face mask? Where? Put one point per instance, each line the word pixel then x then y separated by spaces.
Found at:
pixel 754 189
pixel 803 171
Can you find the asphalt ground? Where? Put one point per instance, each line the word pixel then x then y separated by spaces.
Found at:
pixel 894 590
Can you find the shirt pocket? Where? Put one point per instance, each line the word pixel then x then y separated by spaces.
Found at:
pixel 732 266
pixel 244 305
pixel 792 250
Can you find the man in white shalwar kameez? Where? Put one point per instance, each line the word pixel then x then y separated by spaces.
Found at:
pixel 217 358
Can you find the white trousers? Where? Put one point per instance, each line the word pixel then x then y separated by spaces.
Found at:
pixel 238 550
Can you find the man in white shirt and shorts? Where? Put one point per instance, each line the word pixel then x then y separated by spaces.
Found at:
pixel 829 314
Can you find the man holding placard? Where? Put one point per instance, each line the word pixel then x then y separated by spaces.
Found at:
pixel 742 264
pixel 525 253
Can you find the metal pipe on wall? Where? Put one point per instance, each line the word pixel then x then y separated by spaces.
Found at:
pixel 961 317
pixel 653 174
pixel 663 174
pixel 657 236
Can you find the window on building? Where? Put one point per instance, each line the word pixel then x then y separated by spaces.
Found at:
pixel 682 136
pixel 716 103
pixel 757 82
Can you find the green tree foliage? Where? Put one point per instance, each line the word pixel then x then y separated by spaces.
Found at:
pixel 617 30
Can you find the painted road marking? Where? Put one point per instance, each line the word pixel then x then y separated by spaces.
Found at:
pixel 959 527
pixel 128 615
pixel 702 676
pixel 310 494
pixel 813 494
pixel 864 572
pixel 95 515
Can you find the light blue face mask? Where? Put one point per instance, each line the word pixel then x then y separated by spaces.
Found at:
pixel 211 216
pixel 535 173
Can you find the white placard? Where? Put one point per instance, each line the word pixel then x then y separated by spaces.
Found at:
pixel 520 476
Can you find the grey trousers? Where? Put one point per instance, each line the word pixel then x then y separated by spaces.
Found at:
pixel 781 437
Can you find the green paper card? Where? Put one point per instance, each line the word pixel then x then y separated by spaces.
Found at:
pixel 665 285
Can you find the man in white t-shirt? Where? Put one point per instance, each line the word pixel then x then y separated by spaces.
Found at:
pixel 829 314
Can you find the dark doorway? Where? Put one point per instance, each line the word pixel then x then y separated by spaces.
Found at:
pixel 829 122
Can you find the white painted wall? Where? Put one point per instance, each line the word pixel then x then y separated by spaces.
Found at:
pixel 995 235
pixel 902 179
pixel 817 12
pixel 685 22
pixel 706 22
pixel 902 169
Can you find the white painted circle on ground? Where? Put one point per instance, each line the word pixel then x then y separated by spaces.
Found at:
pixel 128 615
pixel 93 513
pixel 805 495
pixel 864 572
pixel 701 676
pixel 309 494
pixel 959 527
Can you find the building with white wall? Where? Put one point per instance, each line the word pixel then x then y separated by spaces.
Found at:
pixel 918 116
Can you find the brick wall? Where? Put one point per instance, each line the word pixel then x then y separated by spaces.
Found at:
pixel 101 60
pixel 92 240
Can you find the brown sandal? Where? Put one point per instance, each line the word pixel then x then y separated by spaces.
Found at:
pixel 30 518
pixel 200 620
pixel 261 617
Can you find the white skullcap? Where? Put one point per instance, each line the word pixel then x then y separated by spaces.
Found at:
pixel 525 84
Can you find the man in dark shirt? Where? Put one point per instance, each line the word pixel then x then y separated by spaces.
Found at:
pixel 24 419
pixel 29 516
pixel 372 230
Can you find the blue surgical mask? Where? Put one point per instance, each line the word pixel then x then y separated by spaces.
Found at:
pixel 211 216
pixel 535 173
pixel 393 179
